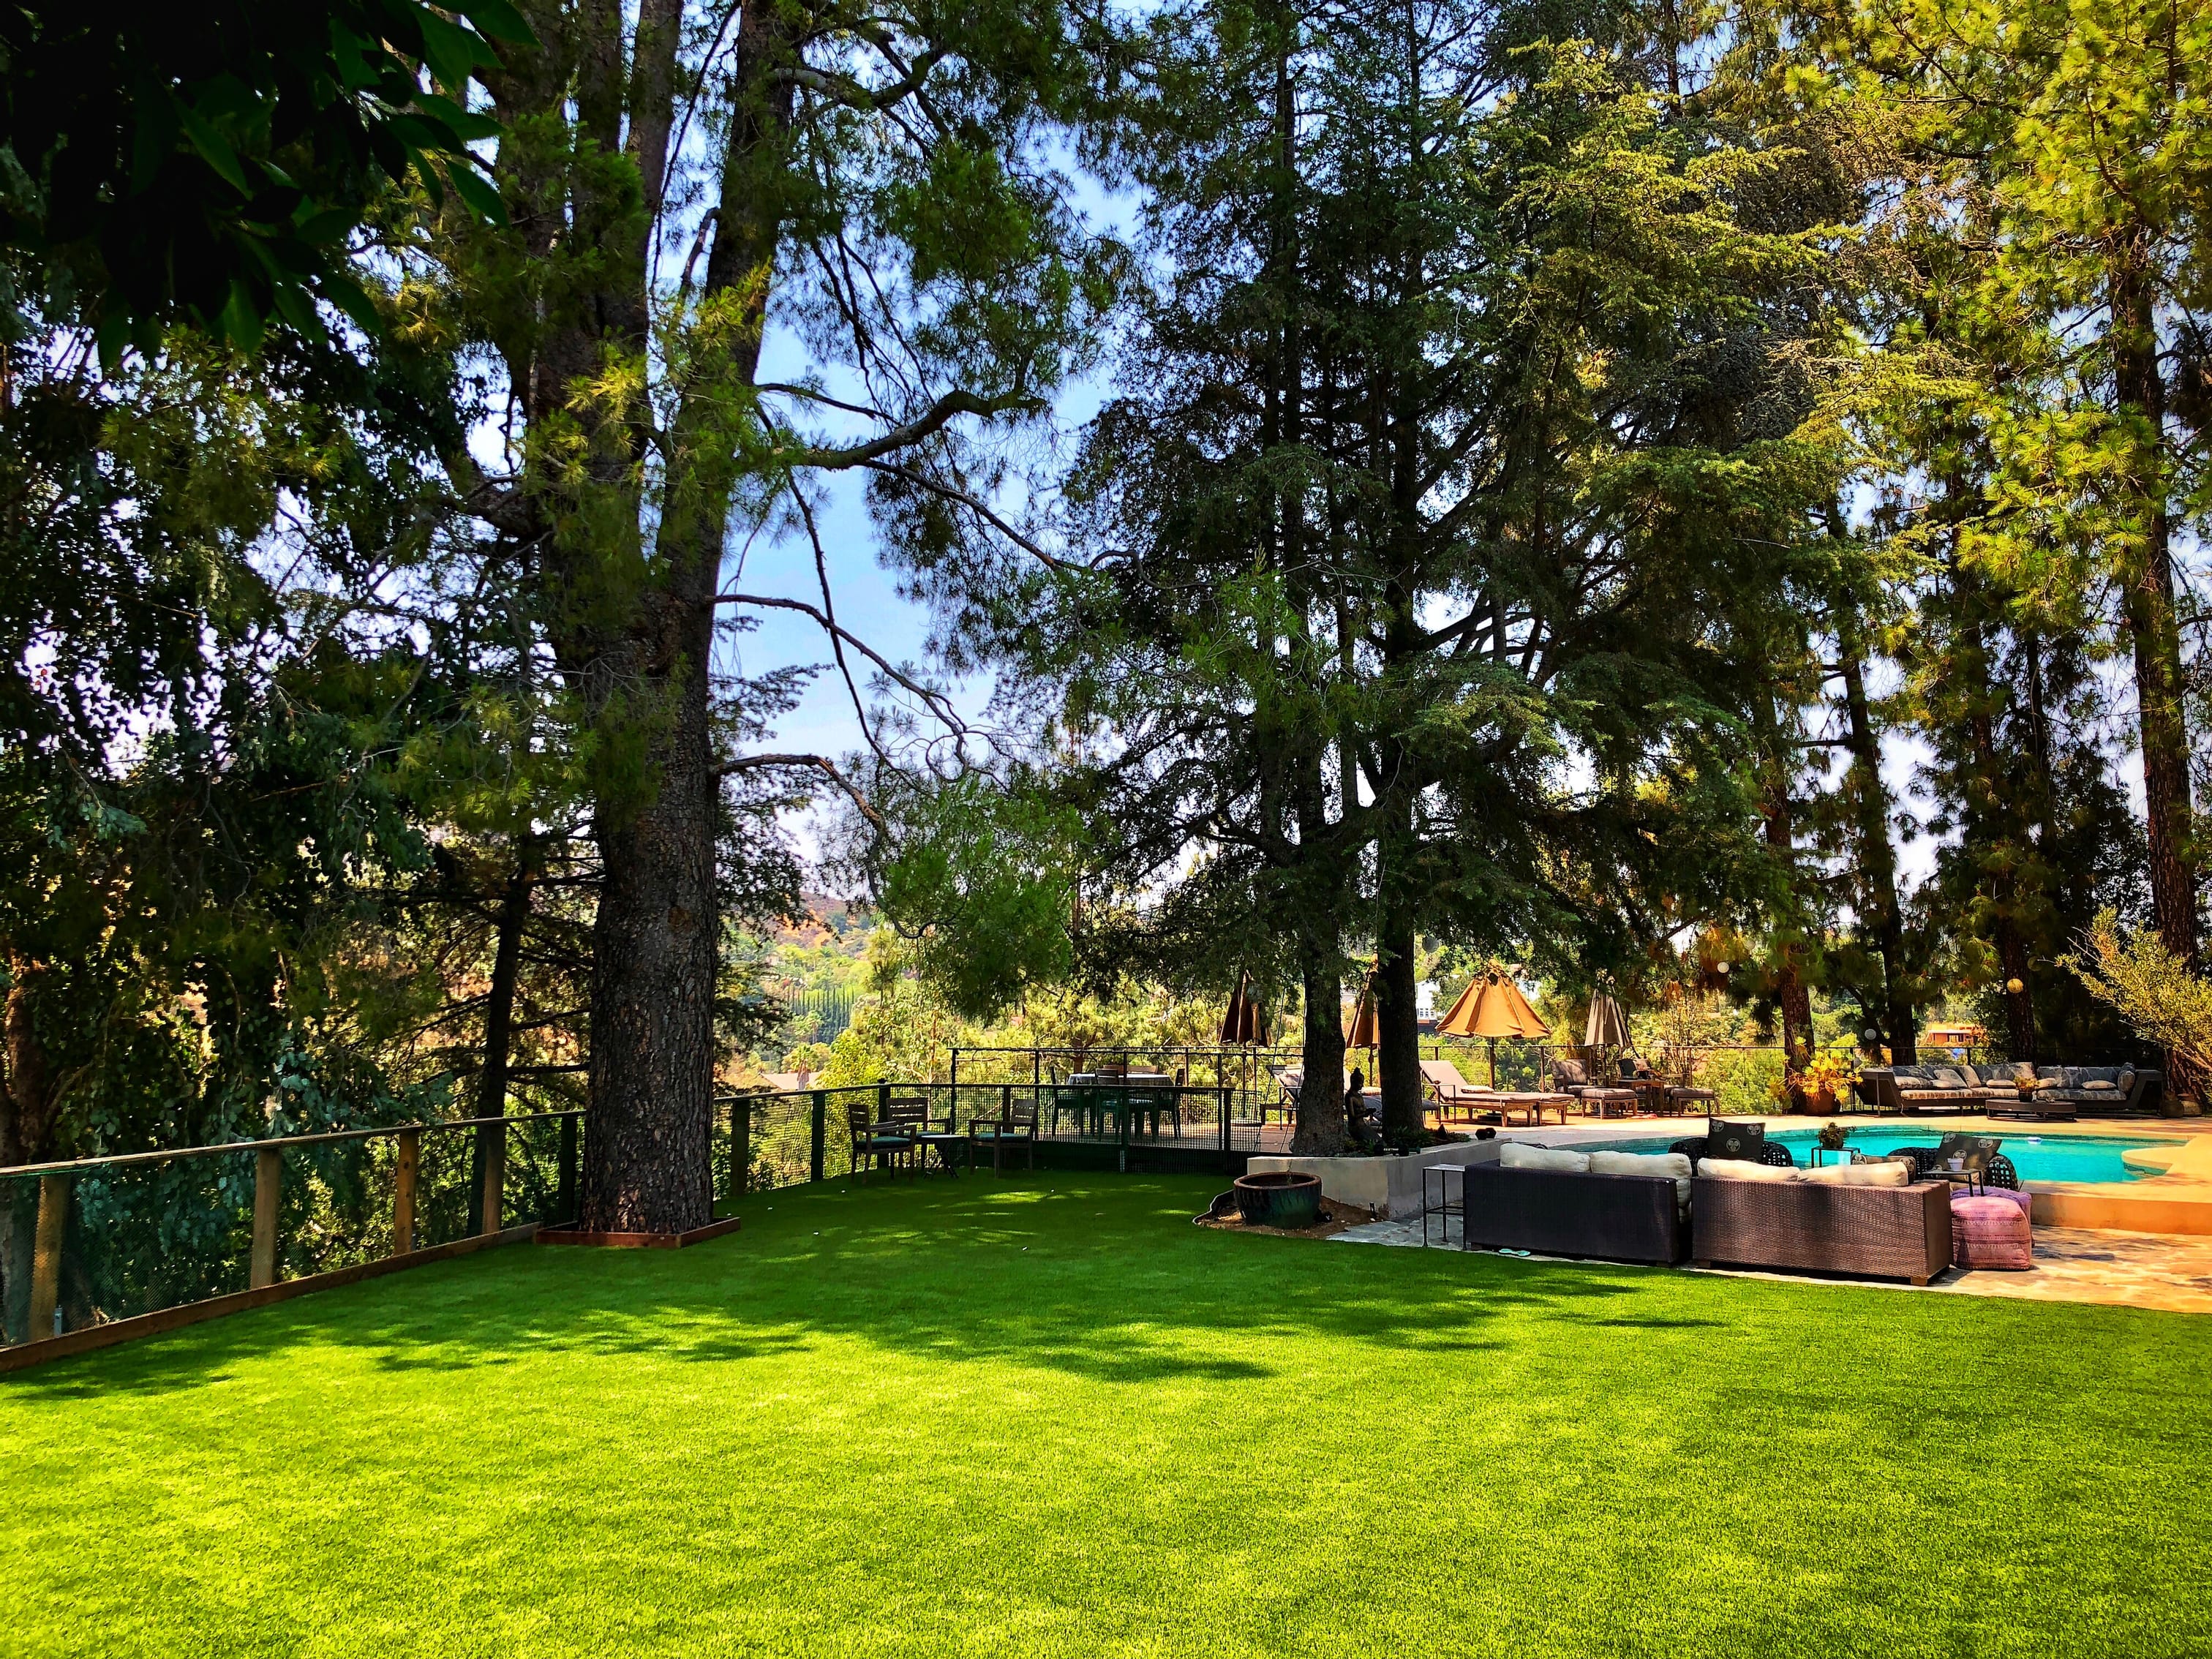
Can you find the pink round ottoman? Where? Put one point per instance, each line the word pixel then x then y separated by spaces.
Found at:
pixel 1991 1229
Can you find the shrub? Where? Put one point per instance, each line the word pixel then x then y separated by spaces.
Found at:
pixel 2153 990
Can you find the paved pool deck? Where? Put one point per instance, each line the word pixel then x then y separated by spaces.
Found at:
pixel 2072 1264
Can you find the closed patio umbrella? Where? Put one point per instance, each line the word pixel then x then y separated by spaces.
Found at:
pixel 1245 1021
pixel 1490 1008
pixel 1608 1025
pixel 1365 1031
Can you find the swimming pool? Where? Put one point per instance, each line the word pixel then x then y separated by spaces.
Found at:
pixel 2038 1156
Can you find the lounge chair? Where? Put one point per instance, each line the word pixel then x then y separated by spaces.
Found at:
pixel 1451 1089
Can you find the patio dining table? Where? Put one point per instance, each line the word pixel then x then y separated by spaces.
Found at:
pixel 1097 1095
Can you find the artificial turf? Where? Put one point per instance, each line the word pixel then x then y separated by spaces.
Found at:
pixel 1052 1417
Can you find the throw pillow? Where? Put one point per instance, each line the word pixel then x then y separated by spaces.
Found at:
pixel 2098 1082
pixel 1728 1139
pixel 1518 1155
pixel 1950 1077
pixel 2126 1080
pixel 1676 1165
pixel 1736 1169
pixel 1875 1172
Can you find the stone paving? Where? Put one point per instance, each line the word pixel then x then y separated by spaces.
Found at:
pixel 2072 1264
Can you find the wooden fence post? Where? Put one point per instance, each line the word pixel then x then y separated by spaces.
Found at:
pixel 46 1255
pixel 494 1174
pixel 821 1135
pixel 268 1186
pixel 403 1192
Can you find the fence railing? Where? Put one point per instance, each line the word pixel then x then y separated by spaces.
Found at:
pixel 114 1238
pixel 790 1137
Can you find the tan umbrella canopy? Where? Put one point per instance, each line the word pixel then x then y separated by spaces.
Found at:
pixel 1245 1021
pixel 1608 1024
pixel 1492 1007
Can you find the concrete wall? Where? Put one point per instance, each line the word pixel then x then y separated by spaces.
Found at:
pixel 1388 1185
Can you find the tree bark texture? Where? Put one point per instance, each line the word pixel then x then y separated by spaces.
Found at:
pixel 1878 861
pixel 28 1121
pixel 2147 603
pixel 1397 1018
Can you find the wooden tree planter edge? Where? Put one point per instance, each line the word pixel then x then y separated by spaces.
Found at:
pixel 640 1241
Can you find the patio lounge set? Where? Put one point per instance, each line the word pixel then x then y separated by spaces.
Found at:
pixel 2014 1089
pixel 1907 1215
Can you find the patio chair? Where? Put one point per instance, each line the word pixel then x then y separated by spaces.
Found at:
pixel 1758 1148
pixel 910 1112
pixel 879 1145
pixel 1978 1152
pixel 1016 1125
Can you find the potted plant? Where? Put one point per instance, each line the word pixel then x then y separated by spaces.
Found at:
pixel 1822 1081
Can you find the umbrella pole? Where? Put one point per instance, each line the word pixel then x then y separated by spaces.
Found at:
pixel 1493 1061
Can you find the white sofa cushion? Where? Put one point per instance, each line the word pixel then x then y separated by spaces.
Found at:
pixel 1743 1168
pixel 1676 1165
pixel 1515 1156
pixel 1879 1172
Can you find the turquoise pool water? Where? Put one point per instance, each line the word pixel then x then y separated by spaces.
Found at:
pixel 2038 1157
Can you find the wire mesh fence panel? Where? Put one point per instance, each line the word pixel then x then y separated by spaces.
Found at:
pixel 540 1172
pixel 126 1236
pixel 448 1185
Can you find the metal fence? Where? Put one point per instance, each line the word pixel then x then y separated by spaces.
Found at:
pixel 113 1238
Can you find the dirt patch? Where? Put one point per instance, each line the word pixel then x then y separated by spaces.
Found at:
pixel 1335 1217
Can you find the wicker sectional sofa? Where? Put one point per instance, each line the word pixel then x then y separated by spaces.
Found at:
pixel 1943 1087
pixel 1888 1225
pixel 1562 1212
pixel 2063 1091
pixel 1802 1226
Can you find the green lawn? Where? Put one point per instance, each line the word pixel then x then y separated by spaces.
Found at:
pixel 1052 1417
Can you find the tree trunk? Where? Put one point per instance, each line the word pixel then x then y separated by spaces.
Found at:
pixel 26 1136
pixel 2146 600
pixel 499 1021
pixel 634 635
pixel 1397 1019
pixel 1988 812
pixel 648 1140
pixel 1320 1131
pixel 1878 859
pixel 1779 825
pixel 1792 1000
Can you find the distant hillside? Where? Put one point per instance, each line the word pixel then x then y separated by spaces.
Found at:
pixel 835 922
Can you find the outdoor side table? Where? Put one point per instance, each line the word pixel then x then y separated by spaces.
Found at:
pixel 943 1142
pixel 1973 1179
pixel 1442 1172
